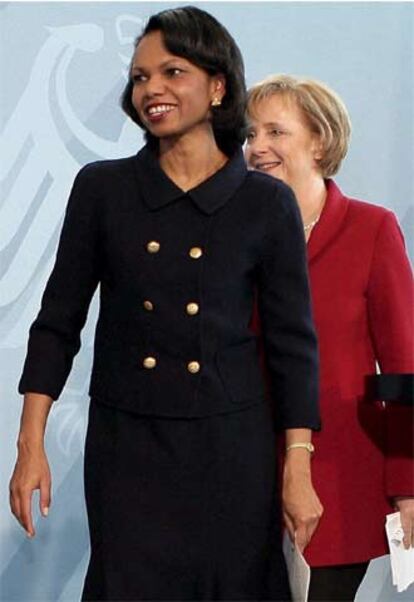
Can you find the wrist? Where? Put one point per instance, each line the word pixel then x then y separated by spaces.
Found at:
pixel 32 442
pixel 297 463
pixel 308 446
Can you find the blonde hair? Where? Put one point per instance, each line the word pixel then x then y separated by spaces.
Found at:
pixel 322 108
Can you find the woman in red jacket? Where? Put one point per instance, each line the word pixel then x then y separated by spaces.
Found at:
pixel 362 290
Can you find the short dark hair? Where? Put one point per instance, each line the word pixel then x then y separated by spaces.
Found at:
pixel 197 36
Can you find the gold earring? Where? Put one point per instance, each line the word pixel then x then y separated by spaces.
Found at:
pixel 216 102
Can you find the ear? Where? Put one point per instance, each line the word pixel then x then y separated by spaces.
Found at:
pixel 317 147
pixel 219 86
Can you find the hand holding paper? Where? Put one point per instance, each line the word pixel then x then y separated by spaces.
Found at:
pixel 402 560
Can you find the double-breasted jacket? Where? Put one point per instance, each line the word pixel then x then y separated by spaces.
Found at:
pixel 178 273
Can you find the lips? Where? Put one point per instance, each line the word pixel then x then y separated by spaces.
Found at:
pixel 155 112
pixel 267 165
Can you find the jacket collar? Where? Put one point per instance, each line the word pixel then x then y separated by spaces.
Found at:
pixel 330 222
pixel 209 196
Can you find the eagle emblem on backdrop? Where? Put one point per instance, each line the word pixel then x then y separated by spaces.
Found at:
pixel 47 137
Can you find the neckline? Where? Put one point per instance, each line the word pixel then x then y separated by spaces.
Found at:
pixel 330 221
pixel 210 195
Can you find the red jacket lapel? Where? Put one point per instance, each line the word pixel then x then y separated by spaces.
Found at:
pixel 330 222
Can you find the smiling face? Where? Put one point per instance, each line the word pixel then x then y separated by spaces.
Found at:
pixel 280 142
pixel 171 95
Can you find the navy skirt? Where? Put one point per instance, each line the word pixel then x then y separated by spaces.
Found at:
pixel 183 509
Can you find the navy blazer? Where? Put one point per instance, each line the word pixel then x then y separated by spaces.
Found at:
pixel 178 273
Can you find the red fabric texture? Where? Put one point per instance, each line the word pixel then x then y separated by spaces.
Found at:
pixel 362 293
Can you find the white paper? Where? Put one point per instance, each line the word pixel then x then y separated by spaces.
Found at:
pixel 402 560
pixel 377 584
pixel 298 570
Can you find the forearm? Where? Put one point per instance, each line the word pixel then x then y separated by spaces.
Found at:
pixel 297 460
pixel 298 436
pixel 36 408
pixel 31 471
pixel 301 506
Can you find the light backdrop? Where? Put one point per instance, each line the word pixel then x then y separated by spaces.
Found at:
pixel 62 70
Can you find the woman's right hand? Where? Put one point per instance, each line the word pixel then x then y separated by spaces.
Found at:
pixel 32 468
pixel 30 472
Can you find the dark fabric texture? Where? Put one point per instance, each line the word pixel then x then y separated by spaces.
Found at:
pixel 249 229
pixel 179 465
pixel 396 388
pixel 336 583
pixel 183 509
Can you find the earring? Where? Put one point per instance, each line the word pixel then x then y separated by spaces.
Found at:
pixel 216 102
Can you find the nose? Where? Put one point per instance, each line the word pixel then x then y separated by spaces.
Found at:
pixel 258 144
pixel 154 86
pixel 256 147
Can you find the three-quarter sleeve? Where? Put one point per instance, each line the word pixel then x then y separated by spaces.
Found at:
pixel 390 299
pixel 54 336
pixel 290 344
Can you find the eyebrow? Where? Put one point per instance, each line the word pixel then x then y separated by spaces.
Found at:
pixel 164 64
pixel 269 124
pixel 273 124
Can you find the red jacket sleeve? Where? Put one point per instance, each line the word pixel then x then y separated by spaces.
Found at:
pixel 390 299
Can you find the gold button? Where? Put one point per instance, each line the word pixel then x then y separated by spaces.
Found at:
pixel 195 252
pixel 193 367
pixel 148 305
pixel 149 363
pixel 192 309
pixel 153 246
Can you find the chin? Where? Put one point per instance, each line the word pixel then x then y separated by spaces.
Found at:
pixel 163 136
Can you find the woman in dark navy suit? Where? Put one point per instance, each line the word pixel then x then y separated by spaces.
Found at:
pixel 180 469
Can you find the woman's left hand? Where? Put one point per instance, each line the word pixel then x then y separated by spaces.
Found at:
pixel 405 505
pixel 302 509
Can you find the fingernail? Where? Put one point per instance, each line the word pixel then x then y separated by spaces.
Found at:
pixel 45 511
pixel 29 535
